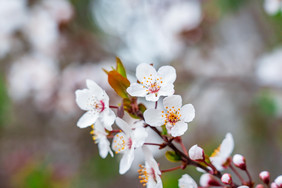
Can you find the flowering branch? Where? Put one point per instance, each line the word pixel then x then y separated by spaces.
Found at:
pixel 171 116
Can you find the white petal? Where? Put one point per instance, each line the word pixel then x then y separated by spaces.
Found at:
pixel 82 98
pixel 227 145
pixel 123 125
pixel 87 119
pixel 145 70
pixel 166 90
pixel 196 153
pixel 152 97
pixel 187 182
pixel 139 136
pixel 104 147
pixel 126 161
pixel 174 101
pixel 154 117
pixel 187 112
pixel 108 117
pixel 136 89
pixel 179 129
pixel 95 88
pixel 167 73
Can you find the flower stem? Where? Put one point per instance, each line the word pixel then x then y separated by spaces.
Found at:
pixel 182 146
pixel 171 169
pixel 156 104
pixel 237 174
pixel 154 144
pixel 250 178
pixel 113 107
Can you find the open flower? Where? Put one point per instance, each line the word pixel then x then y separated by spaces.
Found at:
pixel 153 84
pixel 126 142
pixel 100 138
pixel 187 182
pixel 220 157
pixel 96 102
pixel 173 116
pixel 150 173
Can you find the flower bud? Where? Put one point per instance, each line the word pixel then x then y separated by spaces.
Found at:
pixel 226 179
pixel 207 180
pixel 243 186
pixel 278 181
pixel 274 185
pixel 265 177
pixel 239 161
pixel 259 186
pixel 196 153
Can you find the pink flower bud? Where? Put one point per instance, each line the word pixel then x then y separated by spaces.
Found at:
pixel 196 153
pixel 207 180
pixel 259 186
pixel 274 185
pixel 226 179
pixel 265 177
pixel 278 181
pixel 239 161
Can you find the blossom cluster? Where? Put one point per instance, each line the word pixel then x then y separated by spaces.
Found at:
pixel 169 119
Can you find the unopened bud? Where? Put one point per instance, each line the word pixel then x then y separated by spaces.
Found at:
pixel 207 180
pixel 239 161
pixel 278 181
pixel 259 186
pixel 196 153
pixel 274 185
pixel 265 177
pixel 226 179
pixel 243 186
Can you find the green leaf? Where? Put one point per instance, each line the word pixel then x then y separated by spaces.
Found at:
pixel 164 131
pixel 120 68
pixel 118 83
pixel 172 156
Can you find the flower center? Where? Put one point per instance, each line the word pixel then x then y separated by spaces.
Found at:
pixel 143 175
pixel 152 85
pixel 172 116
pixel 121 144
pixel 99 106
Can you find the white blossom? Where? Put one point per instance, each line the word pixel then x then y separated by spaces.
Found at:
pixel 187 181
pixel 196 153
pixel 220 156
pixel 153 84
pixel 173 116
pixel 100 138
pixel 95 101
pixel 149 174
pixel 272 6
pixel 126 142
pixel 278 181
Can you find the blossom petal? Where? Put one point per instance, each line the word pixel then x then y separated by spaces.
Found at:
pixel 227 145
pixel 166 90
pixel 154 117
pixel 167 73
pixel 126 161
pixel 82 98
pixel 152 97
pixel 139 136
pixel 174 101
pixel 87 119
pixel 145 70
pixel 136 89
pixel 104 147
pixel 123 125
pixel 179 129
pixel 95 88
pixel 187 113
pixel 187 182
pixel 108 117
